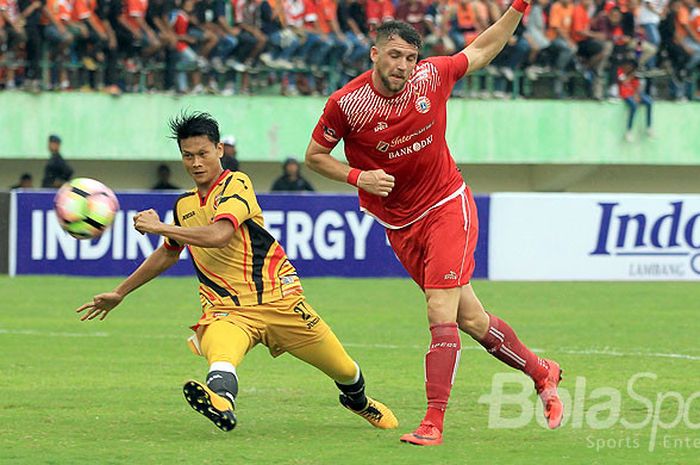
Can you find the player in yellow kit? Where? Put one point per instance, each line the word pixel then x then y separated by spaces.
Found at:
pixel 249 291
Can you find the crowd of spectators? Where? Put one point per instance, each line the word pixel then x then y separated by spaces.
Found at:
pixel 315 46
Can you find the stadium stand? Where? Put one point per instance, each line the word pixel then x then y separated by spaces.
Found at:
pixel 564 48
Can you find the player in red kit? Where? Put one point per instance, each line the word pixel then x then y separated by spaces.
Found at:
pixel 392 120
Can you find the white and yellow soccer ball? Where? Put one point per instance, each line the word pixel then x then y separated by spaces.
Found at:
pixel 85 207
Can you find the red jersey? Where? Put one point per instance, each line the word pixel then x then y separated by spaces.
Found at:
pixel 626 87
pixel 180 23
pixel 404 135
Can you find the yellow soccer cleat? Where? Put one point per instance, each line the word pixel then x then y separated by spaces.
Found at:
pixel 216 408
pixel 376 413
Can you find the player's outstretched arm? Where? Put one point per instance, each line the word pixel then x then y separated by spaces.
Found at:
pixel 215 235
pixel 154 265
pixel 319 159
pixel 489 43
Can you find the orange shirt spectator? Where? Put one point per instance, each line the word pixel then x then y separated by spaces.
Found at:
pixel 470 18
pixel 83 9
pixel 560 17
pixel 580 22
pixel 135 9
pixel 695 22
pixel 379 11
pixel 310 15
pixel 62 10
pixel 682 20
pixel 327 13
pixel 465 14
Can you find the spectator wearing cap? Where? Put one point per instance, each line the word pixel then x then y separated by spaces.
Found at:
pixel 25 182
pixel 291 179
pixel 229 160
pixel 57 170
pixel 164 179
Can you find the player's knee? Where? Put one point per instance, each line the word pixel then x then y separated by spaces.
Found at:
pixel 442 305
pixel 474 323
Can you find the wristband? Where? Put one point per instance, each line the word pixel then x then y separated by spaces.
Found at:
pixel 353 176
pixel 520 6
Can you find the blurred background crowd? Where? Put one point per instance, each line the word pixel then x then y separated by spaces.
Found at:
pixel 562 49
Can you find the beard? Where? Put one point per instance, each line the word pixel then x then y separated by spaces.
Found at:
pixel 392 86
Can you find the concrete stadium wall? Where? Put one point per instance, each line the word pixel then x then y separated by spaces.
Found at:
pixel 134 127
pixel 482 178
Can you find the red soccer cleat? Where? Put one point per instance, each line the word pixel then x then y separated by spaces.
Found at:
pixel 547 390
pixel 425 435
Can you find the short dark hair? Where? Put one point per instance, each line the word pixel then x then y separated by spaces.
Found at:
pixel 404 30
pixel 26 177
pixel 198 123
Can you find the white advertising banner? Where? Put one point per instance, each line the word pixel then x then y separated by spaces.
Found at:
pixel 600 237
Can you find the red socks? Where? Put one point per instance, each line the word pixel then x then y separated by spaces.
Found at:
pixel 501 342
pixel 440 367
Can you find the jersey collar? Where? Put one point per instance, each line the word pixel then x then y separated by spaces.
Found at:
pixel 203 201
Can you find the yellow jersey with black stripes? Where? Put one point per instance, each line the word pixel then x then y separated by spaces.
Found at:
pixel 253 268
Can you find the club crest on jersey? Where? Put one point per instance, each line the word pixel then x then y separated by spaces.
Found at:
pixel 217 199
pixel 423 104
pixel 380 126
pixel 383 146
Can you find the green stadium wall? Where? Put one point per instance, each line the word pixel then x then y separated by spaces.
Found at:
pixel 134 127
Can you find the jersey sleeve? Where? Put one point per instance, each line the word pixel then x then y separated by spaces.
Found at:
pixel 451 69
pixel 332 126
pixel 172 244
pixel 238 201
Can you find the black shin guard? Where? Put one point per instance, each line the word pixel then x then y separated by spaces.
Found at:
pixel 223 383
pixel 353 395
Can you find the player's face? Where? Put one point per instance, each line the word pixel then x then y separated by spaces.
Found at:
pixel 201 158
pixel 394 61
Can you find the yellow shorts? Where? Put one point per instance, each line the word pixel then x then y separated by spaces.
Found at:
pixel 283 325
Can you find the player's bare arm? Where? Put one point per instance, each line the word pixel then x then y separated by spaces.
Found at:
pixel 319 159
pixel 216 235
pixel 490 43
pixel 157 263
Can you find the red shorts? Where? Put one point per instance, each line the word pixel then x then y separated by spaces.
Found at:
pixel 438 250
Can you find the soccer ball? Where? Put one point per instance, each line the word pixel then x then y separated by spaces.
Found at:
pixel 85 208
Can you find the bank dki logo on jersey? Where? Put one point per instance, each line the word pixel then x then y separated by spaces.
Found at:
pixel 423 104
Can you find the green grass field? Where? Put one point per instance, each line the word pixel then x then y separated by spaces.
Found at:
pixel 110 392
